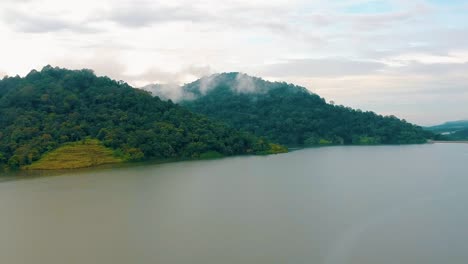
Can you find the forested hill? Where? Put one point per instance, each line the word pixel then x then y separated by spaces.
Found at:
pixel 292 115
pixel 50 108
pixel 449 127
pixel 453 130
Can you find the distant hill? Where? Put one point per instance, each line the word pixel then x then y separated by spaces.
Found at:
pixel 290 114
pixel 448 127
pixel 47 110
pixel 453 130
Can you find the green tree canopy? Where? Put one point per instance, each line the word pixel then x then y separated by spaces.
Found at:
pixel 292 115
pixel 47 108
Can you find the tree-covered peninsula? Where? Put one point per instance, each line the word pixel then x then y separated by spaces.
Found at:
pixel 59 118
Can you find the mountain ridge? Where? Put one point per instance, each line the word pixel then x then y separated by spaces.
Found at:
pixel 449 126
pixel 291 114
pixel 451 130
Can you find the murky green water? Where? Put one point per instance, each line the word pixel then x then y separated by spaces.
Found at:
pixel 356 205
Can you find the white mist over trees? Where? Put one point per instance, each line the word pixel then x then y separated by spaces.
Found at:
pixel 241 83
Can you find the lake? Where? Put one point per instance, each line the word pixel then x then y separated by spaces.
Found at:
pixel 332 205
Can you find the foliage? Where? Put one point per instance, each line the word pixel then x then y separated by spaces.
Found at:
pixel 49 108
pixel 210 155
pixel 454 130
pixel 460 135
pixel 454 136
pixel 291 115
pixel 449 127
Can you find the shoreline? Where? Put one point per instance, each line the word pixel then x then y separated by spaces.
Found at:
pixel 449 141
pixel 36 172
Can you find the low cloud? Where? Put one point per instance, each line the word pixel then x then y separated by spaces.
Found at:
pixel 172 92
pixel 186 74
pixel 208 82
pixel 241 83
pixel 109 63
pixel 244 84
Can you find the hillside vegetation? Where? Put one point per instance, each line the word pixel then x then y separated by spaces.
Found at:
pixel 454 130
pixel 292 115
pixel 50 108
pixel 75 155
pixel 459 135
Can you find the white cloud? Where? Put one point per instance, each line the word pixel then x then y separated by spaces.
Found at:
pixel 367 59
pixel 452 57
pixel 324 67
pixel 33 23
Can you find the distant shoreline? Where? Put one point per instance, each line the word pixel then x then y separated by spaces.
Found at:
pixel 449 141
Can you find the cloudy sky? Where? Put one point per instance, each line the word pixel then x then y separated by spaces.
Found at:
pixel 408 58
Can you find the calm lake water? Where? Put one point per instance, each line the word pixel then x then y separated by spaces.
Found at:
pixel 334 205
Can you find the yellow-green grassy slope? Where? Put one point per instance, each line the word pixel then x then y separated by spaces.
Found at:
pixel 76 155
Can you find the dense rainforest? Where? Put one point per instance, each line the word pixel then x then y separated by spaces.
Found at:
pixel 54 107
pixel 292 115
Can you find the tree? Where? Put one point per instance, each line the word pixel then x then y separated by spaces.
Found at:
pixel 292 115
pixel 52 107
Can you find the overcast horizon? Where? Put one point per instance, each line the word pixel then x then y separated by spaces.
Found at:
pixel 403 58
